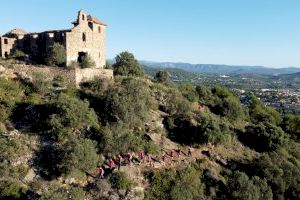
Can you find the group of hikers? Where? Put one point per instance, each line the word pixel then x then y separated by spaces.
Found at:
pixel 131 158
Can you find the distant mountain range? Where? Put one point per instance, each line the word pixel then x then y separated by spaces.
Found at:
pixel 222 69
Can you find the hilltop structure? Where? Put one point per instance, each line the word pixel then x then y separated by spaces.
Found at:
pixel 87 37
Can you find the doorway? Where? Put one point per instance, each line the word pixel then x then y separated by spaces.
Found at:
pixel 81 56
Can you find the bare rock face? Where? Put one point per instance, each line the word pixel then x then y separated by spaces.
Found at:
pixel 24 76
pixel 30 176
pixel 2 69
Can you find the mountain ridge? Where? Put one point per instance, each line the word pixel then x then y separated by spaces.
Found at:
pixel 221 68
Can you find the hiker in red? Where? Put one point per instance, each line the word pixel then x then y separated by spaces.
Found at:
pixel 150 160
pixel 111 164
pixel 101 172
pixel 142 156
pixel 173 154
pixel 129 158
pixel 163 158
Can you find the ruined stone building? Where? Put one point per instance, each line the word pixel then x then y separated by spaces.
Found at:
pixel 86 37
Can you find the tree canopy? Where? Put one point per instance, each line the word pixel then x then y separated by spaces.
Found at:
pixel 127 65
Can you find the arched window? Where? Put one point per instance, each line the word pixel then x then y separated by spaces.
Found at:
pixel 83 37
pixel 99 29
pixel 83 17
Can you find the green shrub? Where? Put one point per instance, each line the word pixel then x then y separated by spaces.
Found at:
pixel 281 172
pixel 59 81
pixel 213 130
pixel 179 185
pixel 56 55
pixel 291 124
pixel 162 77
pixel 70 112
pixel 241 187
pixel 10 189
pixel 120 180
pixel 78 157
pixel 129 102
pixel 10 94
pixel 10 149
pixel 87 62
pixel 188 91
pixel 19 55
pixel 206 128
pixel 260 113
pixel 205 95
pixel 117 138
pixel 73 193
pixel 127 65
pixel 264 137
pixel 176 104
pixel 73 65
pixel 226 104
pixel 40 84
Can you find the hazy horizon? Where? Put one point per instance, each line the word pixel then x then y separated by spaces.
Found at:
pixel 232 32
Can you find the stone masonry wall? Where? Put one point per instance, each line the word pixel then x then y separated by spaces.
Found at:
pixel 8 48
pixel 83 75
pixel 94 43
pixel 72 77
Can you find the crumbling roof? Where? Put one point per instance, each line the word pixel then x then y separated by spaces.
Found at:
pixel 55 31
pixel 18 31
pixel 51 31
pixel 95 20
pixel 15 32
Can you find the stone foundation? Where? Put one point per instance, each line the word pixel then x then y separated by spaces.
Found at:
pixel 72 77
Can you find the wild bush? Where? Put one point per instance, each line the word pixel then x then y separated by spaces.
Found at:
pixel 162 77
pixel 78 157
pixel 10 189
pixel 264 137
pixel 10 94
pixel 188 91
pixel 121 181
pixel 56 193
pixel 71 112
pixel 180 185
pixel 56 55
pixel 127 65
pixel 240 186
pixel 129 102
pixel 87 62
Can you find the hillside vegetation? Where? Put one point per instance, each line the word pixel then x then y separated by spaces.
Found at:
pixel 53 140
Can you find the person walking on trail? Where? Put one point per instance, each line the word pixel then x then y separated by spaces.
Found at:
pixel 130 158
pixel 101 172
pixel 173 154
pixel 190 152
pixel 150 160
pixel 142 156
pixel 120 160
pixel 163 159
pixel 112 164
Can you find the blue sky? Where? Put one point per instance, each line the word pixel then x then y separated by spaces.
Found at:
pixel 239 32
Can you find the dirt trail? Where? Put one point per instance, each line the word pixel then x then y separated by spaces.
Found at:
pixel 136 170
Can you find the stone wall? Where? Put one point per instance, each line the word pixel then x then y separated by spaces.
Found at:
pixel 88 74
pixel 6 46
pixel 86 37
pixel 72 77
